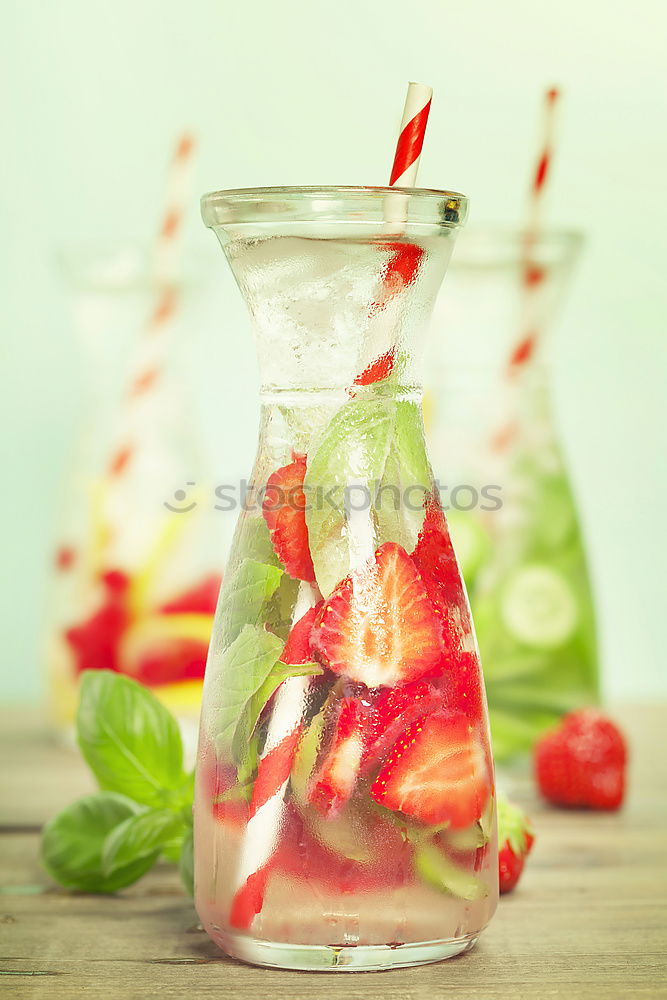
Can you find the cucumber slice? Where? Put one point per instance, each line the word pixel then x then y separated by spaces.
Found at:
pixel 467 840
pixel 304 759
pixel 473 836
pixel 539 607
pixel 436 869
pixel 471 540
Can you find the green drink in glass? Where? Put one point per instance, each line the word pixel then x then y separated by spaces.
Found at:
pixel 511 508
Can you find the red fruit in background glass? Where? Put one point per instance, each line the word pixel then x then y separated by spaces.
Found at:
pixel 582 762
pixel 165 661
pixel 94 642
pixel 153 649
pixel 437 772
pixel 379 627
pixel 285 515
pixel 515 841
pixel 200 599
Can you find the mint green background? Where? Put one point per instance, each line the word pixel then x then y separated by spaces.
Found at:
pixel 93 95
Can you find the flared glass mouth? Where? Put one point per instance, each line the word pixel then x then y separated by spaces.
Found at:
pixel 498 247
pixel 369 206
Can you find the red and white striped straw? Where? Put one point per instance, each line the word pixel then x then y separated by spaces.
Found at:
pixel 543 165
pixel 284 730
pixel 147 365
pixel 402 267
pixel 411 137
pixel 270 786
pixel 532 274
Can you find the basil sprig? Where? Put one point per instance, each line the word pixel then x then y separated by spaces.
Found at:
pixel 106 841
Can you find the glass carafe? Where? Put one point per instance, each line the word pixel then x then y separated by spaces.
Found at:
pixel 136 566
pixel 344 807
pixel 495 446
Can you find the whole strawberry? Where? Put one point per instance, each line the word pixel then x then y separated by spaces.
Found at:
pixel 582 763
pixel 515 840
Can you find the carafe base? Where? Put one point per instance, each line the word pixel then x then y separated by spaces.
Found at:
pixel 339 958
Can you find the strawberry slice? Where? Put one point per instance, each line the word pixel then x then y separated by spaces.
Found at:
pixel 379 627
pixel 464 690
pixel 394 709
pixel 334 780
pixel 200 599
pixel 436 560
pixel 437 772
pixel 284 509
pixel 297 648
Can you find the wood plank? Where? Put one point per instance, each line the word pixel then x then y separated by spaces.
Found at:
pixel 588 920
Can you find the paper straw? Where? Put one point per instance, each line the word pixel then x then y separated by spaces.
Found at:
pixel 532 274
pixel 148 363
pixel 403 264
pixel 268 793
pixel 411 137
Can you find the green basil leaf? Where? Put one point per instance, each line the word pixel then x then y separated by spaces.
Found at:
pixel 139 838
pixel 73 841
pixel 129 740
pixel 278 613
pixel 407 478
pixel 353 448
pixel 245 775
pixel 244 596
pixel 255 542
pixel 253 709
pixel 186 865
pixel 244 667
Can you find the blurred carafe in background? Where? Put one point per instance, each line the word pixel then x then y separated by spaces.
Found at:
pixel 516 530
pixel 491 424
pixel 136 563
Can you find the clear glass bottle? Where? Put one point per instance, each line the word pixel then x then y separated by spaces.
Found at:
pixel 511 509
pixel 344 805
pixel 136 567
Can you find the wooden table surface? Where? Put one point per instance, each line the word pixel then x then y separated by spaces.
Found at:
pixel 589 919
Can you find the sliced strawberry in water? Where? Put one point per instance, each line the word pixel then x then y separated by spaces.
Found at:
pixel 336 776
pixel 463 690
pixel 379 627
pixel 200 599
pixel 437 772
pixel 301 855
pixel 297 648
pixel 284 509
pixel 393 710
pixel 435 558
